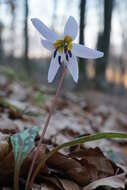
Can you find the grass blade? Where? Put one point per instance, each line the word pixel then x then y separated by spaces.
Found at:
pixel 74 142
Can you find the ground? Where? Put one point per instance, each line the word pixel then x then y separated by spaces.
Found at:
pixel 25 104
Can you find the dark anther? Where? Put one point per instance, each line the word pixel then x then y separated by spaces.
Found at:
pixel 70 54
pixel 55 52
pixel 67 57
pixel 65 49
pixel 59 59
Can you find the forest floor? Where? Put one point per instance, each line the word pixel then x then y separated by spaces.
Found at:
pixel 83 167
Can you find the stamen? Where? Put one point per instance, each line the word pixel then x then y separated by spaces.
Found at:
pixel 55 52
pixel 67 57
pixel 70 54
pixel 63 46
pixel 65 49
pixel 59 60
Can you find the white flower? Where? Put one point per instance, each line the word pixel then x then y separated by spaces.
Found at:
pixel 63 49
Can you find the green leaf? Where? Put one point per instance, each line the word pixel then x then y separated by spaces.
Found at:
pixel 88 138
pixel 23 143
pixel 77 141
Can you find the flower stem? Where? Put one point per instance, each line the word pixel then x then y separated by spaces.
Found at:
pixel 46 125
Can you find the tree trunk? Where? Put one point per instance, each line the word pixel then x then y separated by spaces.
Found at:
pixel 82 68
pixel 26 40
pixel 1 42
pixel 103 43
pixel 82 20
pixel 13 17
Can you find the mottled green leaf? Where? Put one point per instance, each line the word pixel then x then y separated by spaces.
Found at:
pixel 23 143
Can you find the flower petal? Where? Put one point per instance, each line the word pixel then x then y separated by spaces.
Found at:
pixel 85 52
pixel 44 30
pixel 72 66
pixel 48 45
pixel 53 68
pixel 71 28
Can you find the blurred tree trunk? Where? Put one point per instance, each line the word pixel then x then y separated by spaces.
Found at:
pixel 26 40
pixel 103 43
pixel 1 42
pixel 82 20
pixel 122 19
pixel 82 65
pixel 13 7
pixel 54 16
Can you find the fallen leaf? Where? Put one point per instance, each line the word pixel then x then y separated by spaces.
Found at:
pixel 4 149
pixel 7 169
pixel 82 174
pixel 8 127
pixel 95 157
pixel 117 181
pixel 27 162
pixel 46 187
pixel 14 114
pixel 67 184
pixel 63 184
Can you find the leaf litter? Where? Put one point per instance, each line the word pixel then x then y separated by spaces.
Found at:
pixel 81 167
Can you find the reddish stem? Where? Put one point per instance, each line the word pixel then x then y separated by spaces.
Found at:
pixel 46 125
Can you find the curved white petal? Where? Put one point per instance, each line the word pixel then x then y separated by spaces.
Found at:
pixel 44 30
pixel 53 68
pixel 71 28
pixel 48 45
pixel 85 52
pixel 72 66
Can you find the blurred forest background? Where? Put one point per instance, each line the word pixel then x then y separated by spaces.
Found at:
pixel 97 104
pixel 102 25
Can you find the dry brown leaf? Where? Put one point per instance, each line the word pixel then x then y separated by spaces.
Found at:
pixel 44 186
pixel 27 162
pixel 62 183
pixel 47 187
pixel 82 174
pixel 117 181
pixel 67 184
pixel 4 149
pixel 61 161
pixel 6 170
pixel 95 157
pixel 14 114
pixel 53 180
pixel 8 127
pixel 7 164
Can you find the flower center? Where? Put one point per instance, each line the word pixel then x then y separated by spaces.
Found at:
pixel 63 45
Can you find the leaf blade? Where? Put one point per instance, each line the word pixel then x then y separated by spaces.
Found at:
pixel 23 142
pixel 74 142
